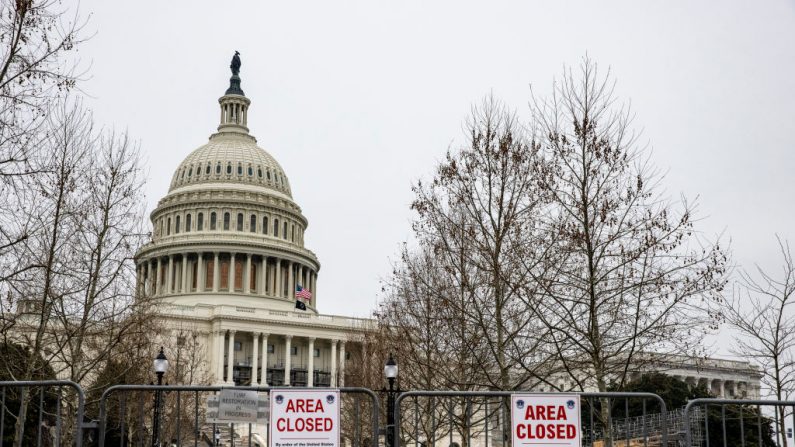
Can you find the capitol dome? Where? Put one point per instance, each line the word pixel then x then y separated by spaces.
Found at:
pixel 228 230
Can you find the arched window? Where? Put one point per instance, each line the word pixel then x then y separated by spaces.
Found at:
pixel 292 233
pixel 265 225
pixel 253 224
pixel 207 171
pixel 239 221
pixel 200 220
pixel 212 220
pixel 259 172
pixel 239 169
pixel 183 174
pixel 269 174
pixel 168 226
pixel 190 171
pixel 284 232
pixel 250 171
pixel 226 221
pixel 276 227
pixel 187 223
pixel 176 226
pixel 218 168
pixel 228 168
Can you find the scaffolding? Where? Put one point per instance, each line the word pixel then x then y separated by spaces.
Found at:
pixel 646 431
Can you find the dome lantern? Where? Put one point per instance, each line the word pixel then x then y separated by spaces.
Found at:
pixel 234 104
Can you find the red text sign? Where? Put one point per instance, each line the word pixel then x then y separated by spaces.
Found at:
pixel 540 420
pixel 304 418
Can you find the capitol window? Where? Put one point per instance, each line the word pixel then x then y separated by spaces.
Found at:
pixel 229 168
pixel 207 171
pixel 269 174
pixel 265 225
pixel 253 224
pixel 284 231
pixel 292 233
pixel 226 221
pixel 187 223
pixel 276 227
pixel 168 226
pixel 218 168
pixel 239 169
pixel 259 172
pixel 239 221
pixel 190 171
pixel 200 219
pixel 212 220
pixel 250 171
pixel 176 226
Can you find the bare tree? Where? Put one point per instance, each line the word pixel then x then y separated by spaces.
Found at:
pixel 761 312
pixel 457 306
pixel 84 209
pixel 632 276
pixel 36 69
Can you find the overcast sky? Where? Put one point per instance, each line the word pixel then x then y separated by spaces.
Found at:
pixel 359 99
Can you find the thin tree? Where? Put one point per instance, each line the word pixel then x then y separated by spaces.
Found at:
pixel 632 276
pixel 37 41
pixel 761 312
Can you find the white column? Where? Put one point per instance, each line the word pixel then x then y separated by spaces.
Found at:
pixel 264 360
pixel 310 363
pixel 314 291
pixel 247 276
pixel 279 285
pixel 264 276
pixel 342 363
pixel 200 272
pixel 216 272
pixel 255 360
pixel 231 281
pixel 170 275
pixel 158 276
pixel 231 358
pixel 148 287
pixel 184 273
pixel 220 371
pixel 333 362
pixel 290 281
pixel 287 349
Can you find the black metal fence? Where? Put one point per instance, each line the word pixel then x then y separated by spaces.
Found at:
pixel 56 413
pixel 42 413
pixel 128 417
pixel 482 418
pixel 738 422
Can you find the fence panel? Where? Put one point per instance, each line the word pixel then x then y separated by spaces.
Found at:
pixel 128 417
pixel 737 422
pixel 53 412
pixel 483 419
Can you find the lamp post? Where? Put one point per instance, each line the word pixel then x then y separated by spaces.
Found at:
pixel 161 366
pixel 391 373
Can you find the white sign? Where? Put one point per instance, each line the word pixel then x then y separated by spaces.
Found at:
pixel 236 406
pixel 304 418
pixel 541 420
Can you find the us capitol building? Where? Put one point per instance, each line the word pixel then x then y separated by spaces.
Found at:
pixel 226 258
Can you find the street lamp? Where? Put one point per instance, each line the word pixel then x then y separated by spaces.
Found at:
pixel 161 366
pixel 391 373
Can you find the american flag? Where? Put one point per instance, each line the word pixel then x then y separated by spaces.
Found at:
pixel 302 293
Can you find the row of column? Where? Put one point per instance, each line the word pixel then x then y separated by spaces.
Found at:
pixel 224 346
pixel 270 276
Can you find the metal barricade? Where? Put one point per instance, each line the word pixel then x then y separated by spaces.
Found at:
pixel 127 415
pixel 736 422
pixel 45 408
pixel 482 418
